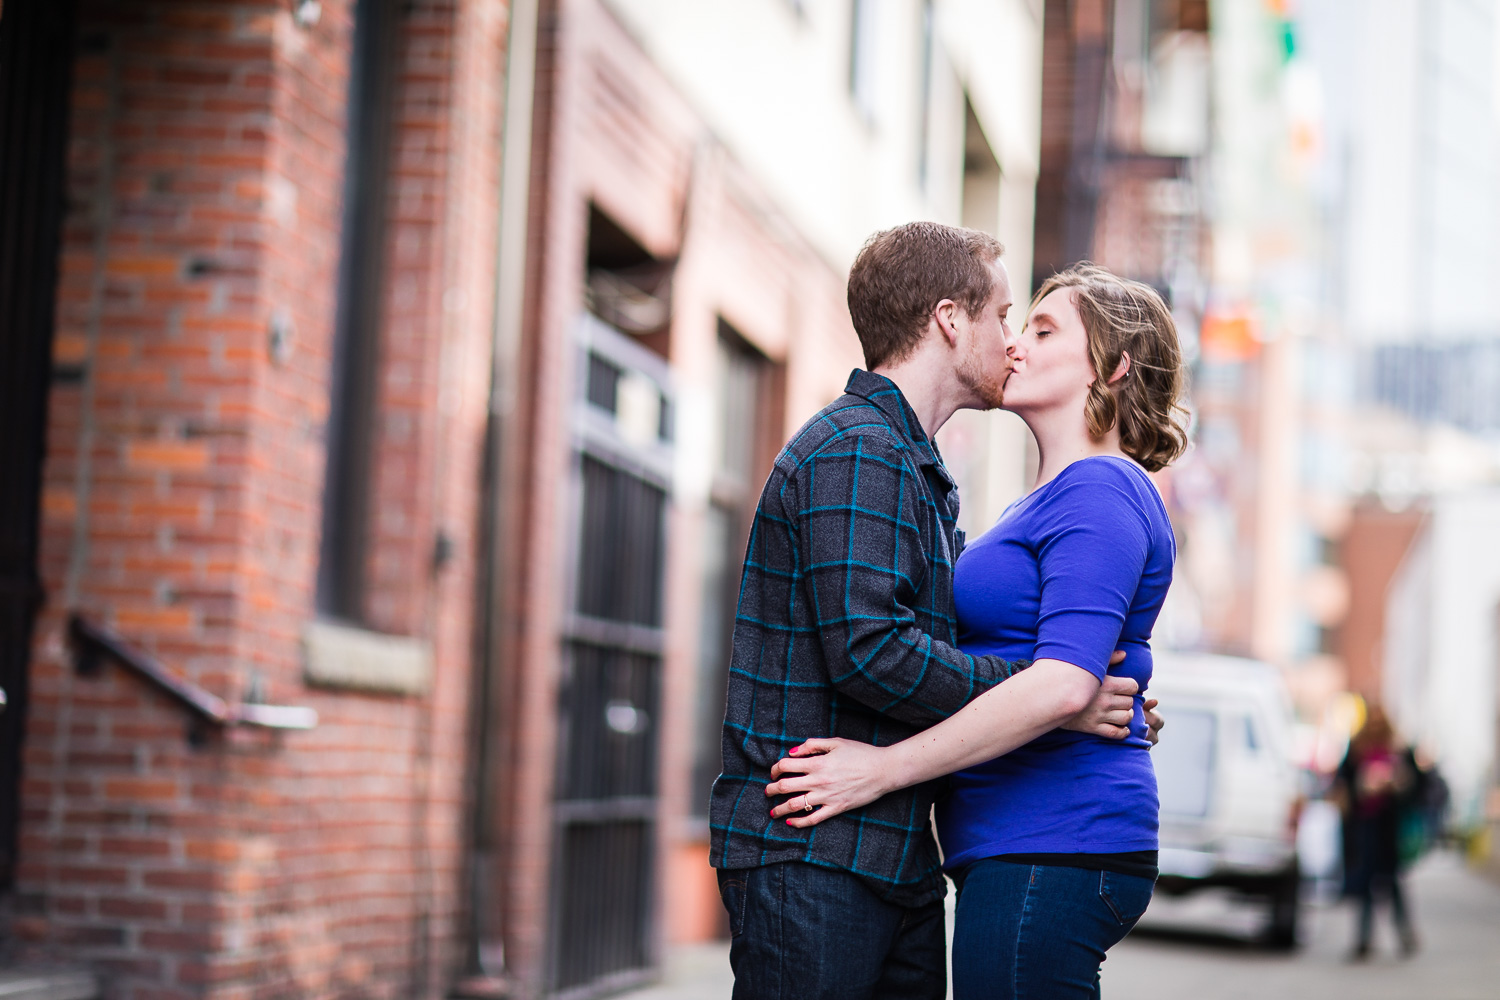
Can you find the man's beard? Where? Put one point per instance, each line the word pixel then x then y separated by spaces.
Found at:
pixel 972 376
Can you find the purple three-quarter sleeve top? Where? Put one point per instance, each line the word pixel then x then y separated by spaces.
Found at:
pixel 1071 572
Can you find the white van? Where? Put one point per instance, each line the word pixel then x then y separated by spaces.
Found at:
pixel 1230 788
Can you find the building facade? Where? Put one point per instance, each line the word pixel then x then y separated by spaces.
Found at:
pixel 693 219
pixel 385 439
pixel 275 245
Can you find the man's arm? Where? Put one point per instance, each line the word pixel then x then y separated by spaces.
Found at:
pixel 857 509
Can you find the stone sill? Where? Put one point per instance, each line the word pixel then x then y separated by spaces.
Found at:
pixel 345 657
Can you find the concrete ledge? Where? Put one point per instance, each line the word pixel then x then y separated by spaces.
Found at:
pixel 340 656
pixel 16 984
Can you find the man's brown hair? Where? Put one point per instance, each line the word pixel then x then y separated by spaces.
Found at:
pixel 901 275
pixel 1122 317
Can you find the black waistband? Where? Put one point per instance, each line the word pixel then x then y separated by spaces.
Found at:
pixel 1142 863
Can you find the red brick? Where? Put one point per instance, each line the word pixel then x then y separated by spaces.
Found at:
pixel 142 789
pixel 130 907
pixel 80 875
pixel 203 880
pixel 167 454
pixel 177 942
pixel 136 847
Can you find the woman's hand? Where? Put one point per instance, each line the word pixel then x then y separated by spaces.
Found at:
pixel 1111 710
pixel 832 776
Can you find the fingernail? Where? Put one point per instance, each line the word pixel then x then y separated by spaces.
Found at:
pixel 793 751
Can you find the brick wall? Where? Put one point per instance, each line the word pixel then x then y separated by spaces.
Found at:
pixel 181 502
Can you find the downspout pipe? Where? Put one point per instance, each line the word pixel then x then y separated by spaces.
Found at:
pixel 486 973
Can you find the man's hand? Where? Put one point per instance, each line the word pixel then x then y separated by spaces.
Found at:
pixel 1154 722
pixel 1110 712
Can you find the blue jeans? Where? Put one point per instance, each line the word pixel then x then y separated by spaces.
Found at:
pixel 1039 932
pixel 800 932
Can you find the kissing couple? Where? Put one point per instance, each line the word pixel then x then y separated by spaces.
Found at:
pixel 880 665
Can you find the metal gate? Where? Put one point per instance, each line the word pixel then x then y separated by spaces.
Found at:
pixel 36 57
pixel 603 934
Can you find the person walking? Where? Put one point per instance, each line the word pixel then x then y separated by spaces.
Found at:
pixel 1377 787
pixel 1050 835
pixel 845 626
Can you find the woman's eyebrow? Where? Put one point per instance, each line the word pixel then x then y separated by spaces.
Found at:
pixel 1041 317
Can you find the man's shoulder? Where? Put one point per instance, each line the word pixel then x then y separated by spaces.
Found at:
pixel 845 425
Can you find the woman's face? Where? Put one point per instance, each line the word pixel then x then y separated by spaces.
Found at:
pixel 1050 366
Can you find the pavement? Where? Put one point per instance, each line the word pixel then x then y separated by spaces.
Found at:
pixel 1205 947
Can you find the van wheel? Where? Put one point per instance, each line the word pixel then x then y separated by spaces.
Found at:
pixel 1282 932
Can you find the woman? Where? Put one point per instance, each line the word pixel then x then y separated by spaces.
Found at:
pixel 1377 785
pixel 1050 835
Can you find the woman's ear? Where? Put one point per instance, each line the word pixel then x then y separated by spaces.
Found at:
pixel 1122 369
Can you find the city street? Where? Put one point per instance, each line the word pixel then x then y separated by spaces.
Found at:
pixel 1199 949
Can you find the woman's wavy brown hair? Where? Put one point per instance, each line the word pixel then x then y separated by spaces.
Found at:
pixel 1127 317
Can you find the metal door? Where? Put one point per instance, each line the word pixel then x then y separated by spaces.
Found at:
pixel 605 812
pixel 36 56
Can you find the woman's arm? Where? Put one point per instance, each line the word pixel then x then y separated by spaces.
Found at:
pixel 838 775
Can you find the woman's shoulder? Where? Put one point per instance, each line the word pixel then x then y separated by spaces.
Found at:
pixel 1108 472
pixel 1092 486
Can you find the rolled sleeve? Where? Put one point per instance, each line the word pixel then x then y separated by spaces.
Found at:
pixel 1092 552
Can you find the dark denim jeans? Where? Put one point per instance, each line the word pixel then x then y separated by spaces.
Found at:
pixel 801 932
pixel 1039 932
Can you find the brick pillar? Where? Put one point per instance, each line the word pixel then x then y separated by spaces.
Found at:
pixel 182 495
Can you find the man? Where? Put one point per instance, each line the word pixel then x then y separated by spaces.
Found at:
pixel 846 628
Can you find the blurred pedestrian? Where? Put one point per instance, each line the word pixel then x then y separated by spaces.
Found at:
pixel 1378 786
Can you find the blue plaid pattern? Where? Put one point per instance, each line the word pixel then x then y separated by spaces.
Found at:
pixel 846 628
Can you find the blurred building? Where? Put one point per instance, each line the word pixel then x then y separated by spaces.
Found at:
pixel 1125 181
pixel 1314 187
pixel 1346 383
pixel 705 175
pixel 387 387
pixel 1405 101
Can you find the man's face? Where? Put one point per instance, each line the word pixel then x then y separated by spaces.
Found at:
pixel 983 362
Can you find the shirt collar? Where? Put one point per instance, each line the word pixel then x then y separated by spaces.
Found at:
pixel 886 395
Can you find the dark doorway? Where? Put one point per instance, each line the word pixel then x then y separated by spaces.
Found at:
pixel 36 62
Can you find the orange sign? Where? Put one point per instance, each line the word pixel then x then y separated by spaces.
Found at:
pixel 1228 337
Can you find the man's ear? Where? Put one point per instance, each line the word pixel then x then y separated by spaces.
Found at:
pixel 946 315
pixel 1122 369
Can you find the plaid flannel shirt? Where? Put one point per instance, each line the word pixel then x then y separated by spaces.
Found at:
pixel 846 627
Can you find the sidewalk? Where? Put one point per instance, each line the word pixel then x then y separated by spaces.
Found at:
pixel 1457 911
pixel 693 972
